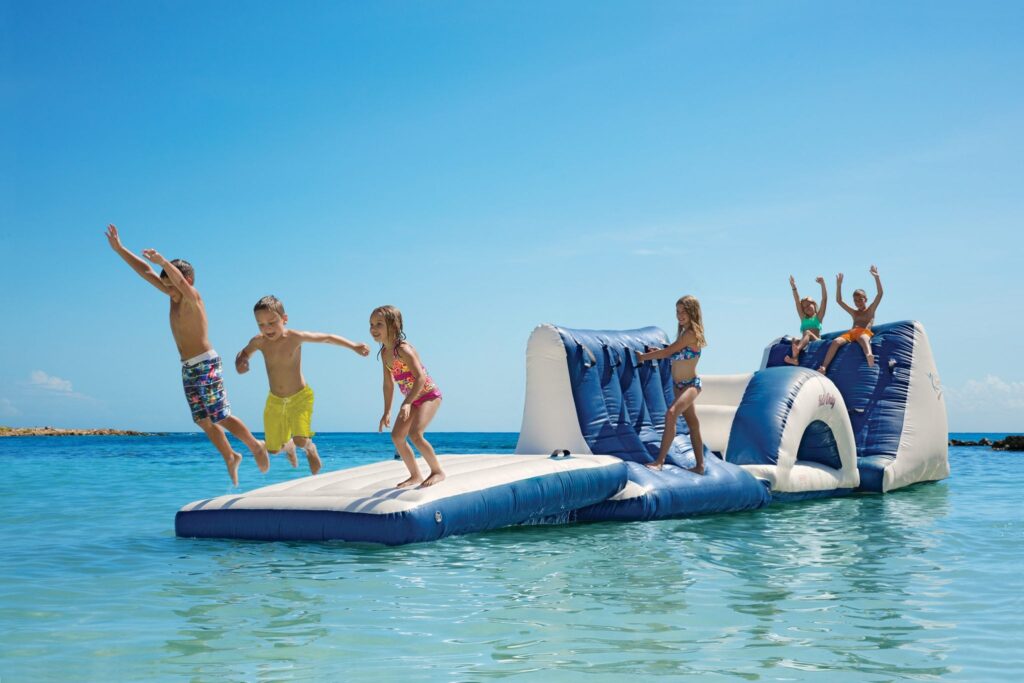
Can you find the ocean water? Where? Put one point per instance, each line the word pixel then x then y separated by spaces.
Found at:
pixel 920 584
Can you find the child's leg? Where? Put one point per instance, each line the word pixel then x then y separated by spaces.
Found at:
pixel 398 434
pixel 289 451
pixel 690 415
pixel 242 433
pixel 311 455
pixel 217 437
pixel 421 417
pixel 831 353
pixel 684 401
pixel 798 348
pixel 865 344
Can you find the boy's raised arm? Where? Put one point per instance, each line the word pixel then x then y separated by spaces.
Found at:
pixel 878 287
pixel 839 294
pixel 178 280
pixel 144 270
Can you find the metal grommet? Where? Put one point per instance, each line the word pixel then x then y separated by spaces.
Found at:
pixel 437 516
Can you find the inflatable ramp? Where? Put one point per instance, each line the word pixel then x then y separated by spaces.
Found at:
pixel 480 492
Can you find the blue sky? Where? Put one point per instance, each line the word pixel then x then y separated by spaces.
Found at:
pixel 491 166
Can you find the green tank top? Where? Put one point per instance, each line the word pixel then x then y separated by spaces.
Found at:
pixel 811 323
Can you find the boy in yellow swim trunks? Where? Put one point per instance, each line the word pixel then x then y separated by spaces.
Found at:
pixel 863 318
pixel 288 414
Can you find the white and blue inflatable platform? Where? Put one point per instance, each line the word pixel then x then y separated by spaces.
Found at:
pixel 593 418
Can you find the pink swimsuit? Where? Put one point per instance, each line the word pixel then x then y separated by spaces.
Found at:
pixel 405 379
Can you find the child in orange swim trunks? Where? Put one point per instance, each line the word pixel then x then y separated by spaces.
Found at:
pixel 863 317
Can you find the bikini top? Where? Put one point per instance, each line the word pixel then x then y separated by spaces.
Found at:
pixel 811 323
pixel 401 374
pixel 688 353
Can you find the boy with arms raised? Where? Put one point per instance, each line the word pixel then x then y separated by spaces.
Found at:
pixel 288 415
pixel 201 372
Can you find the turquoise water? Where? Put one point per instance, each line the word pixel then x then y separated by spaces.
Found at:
pixel 921 584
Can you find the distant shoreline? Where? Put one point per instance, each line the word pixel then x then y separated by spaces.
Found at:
pixel 55 431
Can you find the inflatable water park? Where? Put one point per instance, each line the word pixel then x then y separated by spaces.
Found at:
pixel 593 418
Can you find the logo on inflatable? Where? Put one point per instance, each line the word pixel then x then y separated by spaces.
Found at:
pixel 936 384
pixel 827 399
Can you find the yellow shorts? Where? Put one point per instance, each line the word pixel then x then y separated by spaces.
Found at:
pixel 284 418
pixel 855 334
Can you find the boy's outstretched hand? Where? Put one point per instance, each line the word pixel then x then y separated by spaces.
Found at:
pixel 839 278
pixel 820 280
pixel 113 237
pixel 154 256
pixel 362 349
pixel 874 271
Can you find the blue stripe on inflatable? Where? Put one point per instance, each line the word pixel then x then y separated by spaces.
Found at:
pixel 762 413
pixel 520 502
pixel 620 407
pixel 876 397
pixel 675 492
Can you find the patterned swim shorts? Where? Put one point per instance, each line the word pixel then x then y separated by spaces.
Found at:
pixel 203 380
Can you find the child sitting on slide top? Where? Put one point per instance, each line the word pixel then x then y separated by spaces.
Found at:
pixel 200 365
pixel 288 414
pixel 811 315
pixel 863 318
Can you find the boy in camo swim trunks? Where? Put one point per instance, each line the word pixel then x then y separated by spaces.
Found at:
pixel 201 372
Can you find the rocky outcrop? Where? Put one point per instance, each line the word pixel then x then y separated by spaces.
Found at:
pixel 54 431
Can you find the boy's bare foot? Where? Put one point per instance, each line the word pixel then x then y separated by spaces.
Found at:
pixel 233 463
pixel 313 457
pixel 411 481
pixel 434 478
pixel 262 457
pixel 871 360
pixel 655 465
pixel 289 450
pixel 699 469
pixel 791 361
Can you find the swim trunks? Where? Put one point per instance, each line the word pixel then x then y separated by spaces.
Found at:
pixel 203 380
pixel 856 332
pixel 286 417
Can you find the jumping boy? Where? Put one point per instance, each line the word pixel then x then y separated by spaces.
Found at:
pixel 863 318
pixel 200 365
pixel 288 414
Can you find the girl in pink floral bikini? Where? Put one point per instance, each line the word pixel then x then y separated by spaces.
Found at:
pixel 422 397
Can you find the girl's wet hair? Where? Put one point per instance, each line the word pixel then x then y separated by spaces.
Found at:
pixel 692 308
pixel 861 292
pixel 393 321
pixel 808 300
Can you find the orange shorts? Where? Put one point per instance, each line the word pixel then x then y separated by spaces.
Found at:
pixel 856 332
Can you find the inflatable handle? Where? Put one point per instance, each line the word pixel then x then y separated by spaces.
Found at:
pixel 560 453
pixel 581 347
pixel 613 358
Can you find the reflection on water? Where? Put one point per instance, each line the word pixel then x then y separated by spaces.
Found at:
pixel 917 584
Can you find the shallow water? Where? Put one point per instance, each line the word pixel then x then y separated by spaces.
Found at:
pixel 920 584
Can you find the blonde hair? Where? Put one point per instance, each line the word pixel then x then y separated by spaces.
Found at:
pixel 808 300
pixel 393 321
pixel 692 308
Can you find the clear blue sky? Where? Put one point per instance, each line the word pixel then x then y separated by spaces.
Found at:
pixel 489 166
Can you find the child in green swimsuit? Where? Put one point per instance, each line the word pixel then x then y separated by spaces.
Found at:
pixel 811 315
